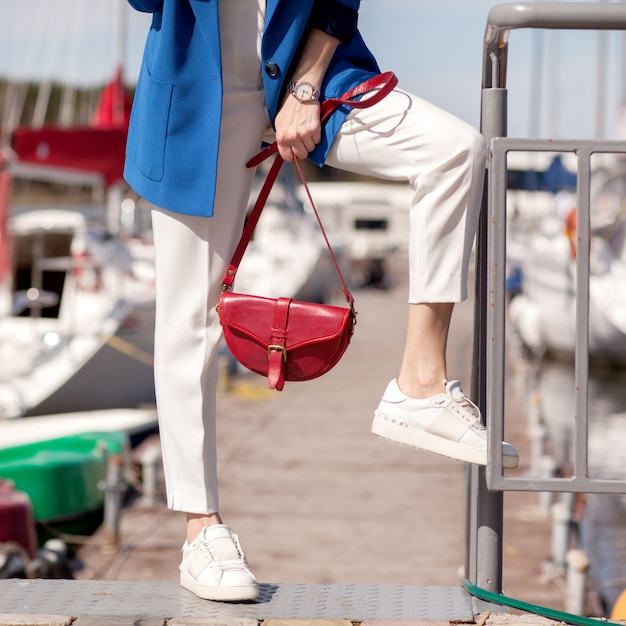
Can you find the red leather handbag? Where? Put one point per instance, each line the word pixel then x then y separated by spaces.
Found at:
pixel 280 338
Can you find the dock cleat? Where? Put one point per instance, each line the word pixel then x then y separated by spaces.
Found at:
pixel 448 424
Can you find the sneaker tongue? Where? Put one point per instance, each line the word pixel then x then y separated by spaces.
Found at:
pixel 225 549
pixel 453 389
pixel 221 540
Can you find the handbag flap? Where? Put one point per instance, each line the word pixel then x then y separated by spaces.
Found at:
pixel 307 323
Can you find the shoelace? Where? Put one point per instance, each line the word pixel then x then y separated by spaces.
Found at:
pixel 468 410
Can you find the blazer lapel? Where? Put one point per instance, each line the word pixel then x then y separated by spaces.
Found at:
pixel 270 8
pixel 207 18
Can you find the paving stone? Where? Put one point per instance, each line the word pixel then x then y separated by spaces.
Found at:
pixel 108 620
pixel 211 621
pixel 403 622
pixel 306 622
pixel 14 619
pixel 520 620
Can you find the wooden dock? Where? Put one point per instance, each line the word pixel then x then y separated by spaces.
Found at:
pixel 315 498
pixel 319 501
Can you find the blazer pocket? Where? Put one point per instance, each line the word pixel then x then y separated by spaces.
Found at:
pixel 148 126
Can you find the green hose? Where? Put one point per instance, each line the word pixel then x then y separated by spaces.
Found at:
pixel 568 618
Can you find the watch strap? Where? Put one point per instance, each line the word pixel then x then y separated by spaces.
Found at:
pixel 292 88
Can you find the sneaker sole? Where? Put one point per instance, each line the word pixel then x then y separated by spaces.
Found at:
pixel 382 427
pixel 221 594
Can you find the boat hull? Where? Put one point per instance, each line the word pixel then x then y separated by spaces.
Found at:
pixel 63 477
pixel 119 375
pixel 544 313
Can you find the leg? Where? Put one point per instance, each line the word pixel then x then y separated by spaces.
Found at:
pixel 404 138
pixel 187 337
pixel 197 521
pixel 422 371
pixel 192 254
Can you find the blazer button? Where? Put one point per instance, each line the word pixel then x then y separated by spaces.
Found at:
pixel 272 70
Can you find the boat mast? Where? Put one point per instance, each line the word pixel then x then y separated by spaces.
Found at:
pixel 601 84
pixel 536 83
pixel 115 193
pixel 119 55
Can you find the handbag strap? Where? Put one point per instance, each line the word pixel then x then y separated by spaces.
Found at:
pixel 277 350
pixel 386 81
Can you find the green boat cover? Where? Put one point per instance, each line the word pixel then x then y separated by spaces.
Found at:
pixel 63 477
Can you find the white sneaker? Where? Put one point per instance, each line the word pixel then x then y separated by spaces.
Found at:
pixel 215 568
pixel 447 424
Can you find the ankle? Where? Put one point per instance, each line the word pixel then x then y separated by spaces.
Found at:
pixel 196 522
pixel 421 389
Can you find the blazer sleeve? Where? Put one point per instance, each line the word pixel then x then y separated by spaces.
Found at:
pixel 147 6
pixel 337 18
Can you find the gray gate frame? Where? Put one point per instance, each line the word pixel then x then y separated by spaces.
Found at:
pixel 485 487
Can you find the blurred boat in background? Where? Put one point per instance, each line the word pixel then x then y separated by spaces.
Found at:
pixel 372 221
pixel 65 478
pixel 76 321
pixel 541 258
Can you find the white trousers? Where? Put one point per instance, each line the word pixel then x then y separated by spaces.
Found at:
pixel 403 138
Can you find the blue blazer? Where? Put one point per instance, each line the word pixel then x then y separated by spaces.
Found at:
pixel 171 160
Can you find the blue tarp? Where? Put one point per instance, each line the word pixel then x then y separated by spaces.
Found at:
pixel 556 178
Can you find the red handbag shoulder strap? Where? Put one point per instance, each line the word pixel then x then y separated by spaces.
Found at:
pixel 251 223
pixel 255 214
pixel 386 81
pixel 344 287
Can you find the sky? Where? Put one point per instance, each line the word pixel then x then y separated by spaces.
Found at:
pixel 434 46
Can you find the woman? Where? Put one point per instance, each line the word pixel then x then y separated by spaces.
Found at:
pixel 219 77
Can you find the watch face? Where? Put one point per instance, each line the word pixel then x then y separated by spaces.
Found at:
pixel 304 91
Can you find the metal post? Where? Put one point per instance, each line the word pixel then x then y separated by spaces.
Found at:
pixel 151 464
pixel 115 489
pixel 577 568
pixel 561 526
pixel 485 508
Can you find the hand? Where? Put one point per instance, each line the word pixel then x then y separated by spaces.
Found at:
pixel 298 128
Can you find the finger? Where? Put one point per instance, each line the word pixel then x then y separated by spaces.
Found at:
pixel 308 143
pixel 300 150
pixel 286 152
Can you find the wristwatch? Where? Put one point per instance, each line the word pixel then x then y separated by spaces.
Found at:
pixel 305 92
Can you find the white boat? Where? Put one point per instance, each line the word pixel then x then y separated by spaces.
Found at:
pixel 79 332
pixel 371 218
pixel 136 423
pixel 76 322
pixel 542 250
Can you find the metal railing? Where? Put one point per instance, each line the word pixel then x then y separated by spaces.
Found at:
pixel 486 486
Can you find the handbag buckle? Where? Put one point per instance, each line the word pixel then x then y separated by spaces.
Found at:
pixel 274 347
